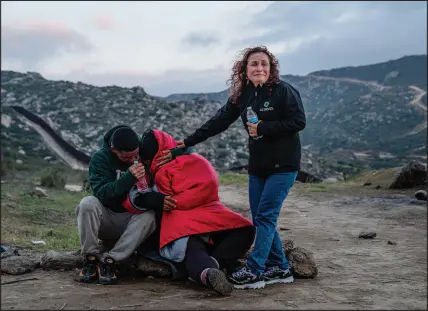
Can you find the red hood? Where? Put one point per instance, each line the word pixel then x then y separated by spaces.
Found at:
pixel 165 142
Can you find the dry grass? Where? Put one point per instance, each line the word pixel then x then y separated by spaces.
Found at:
pixel 25 217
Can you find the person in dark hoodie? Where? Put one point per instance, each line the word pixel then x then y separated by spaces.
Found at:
pixel 112 174
pixel 275 154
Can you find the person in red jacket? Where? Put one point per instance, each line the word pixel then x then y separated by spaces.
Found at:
pixel 198 229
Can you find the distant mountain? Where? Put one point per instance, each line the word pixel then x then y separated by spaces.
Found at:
pixel 408 70
pixel 217 97
pixel 81 114
pixel 405 71
pixel 374 113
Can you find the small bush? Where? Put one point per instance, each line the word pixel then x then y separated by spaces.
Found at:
pixel 53 178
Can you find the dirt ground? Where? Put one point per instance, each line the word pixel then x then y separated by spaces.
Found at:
pixel 353 273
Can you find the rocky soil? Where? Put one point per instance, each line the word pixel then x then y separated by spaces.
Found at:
pixel 387 271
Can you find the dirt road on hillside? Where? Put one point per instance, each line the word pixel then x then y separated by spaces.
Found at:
pixel 353 273
pixel 378 86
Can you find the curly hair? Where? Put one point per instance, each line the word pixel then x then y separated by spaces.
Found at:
pixel 238 78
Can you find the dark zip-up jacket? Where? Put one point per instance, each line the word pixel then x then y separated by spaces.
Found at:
pixel 282 118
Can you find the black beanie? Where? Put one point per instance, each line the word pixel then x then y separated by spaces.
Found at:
pixel 149 146
pixel 125 139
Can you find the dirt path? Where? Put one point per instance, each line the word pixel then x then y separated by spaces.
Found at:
pixel 353 273
pixel 418 99
pixel 356 81
pixel 418 102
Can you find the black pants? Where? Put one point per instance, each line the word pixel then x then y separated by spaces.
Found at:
pixel 228 247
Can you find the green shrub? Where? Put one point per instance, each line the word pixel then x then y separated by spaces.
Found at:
pixel 53 177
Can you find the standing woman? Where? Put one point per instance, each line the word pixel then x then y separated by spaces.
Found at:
pixel 275 153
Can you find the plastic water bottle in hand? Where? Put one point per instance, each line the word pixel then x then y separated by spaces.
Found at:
pixel 252 118
pixel 251 115
pixel 142 182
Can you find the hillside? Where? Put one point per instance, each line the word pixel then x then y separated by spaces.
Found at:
pixel 405 71
pixel 408 70
pixel 82 113
pixel 217 97
pixel 374 115
pixel 351 124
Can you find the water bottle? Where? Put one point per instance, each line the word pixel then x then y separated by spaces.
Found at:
pixel 142 182
pixel 252 118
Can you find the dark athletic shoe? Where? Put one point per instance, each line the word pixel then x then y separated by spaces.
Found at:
pixel 275 275
pixel 215 261
pixel 106 272
pixel 244 278
pixel 89 272
pixel 217 281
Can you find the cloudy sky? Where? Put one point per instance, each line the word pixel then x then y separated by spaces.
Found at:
pixel 182 47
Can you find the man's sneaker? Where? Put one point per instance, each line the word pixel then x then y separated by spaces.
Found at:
pixel 275 275
pixel 217 281
pixel 244 278
pixel 89 273
pixel 106 272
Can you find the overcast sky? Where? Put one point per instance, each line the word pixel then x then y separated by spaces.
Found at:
pixel 182 47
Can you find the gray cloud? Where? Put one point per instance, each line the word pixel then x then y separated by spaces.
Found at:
pixel 289 20
pixel 35 43
pixel 199 40
pixel 370 32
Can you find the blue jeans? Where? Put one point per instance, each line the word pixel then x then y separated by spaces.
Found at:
pixel 266 198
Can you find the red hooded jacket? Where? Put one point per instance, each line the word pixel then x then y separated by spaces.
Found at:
pixel 193 183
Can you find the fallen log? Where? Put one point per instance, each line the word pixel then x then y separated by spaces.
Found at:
pixel 53 260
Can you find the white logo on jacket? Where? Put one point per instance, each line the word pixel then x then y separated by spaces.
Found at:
pixel 266 109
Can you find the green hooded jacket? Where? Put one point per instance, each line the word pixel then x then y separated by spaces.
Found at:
pixel 110 178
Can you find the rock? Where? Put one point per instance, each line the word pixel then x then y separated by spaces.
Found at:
pixel 288 245
pixel 411 175
pixel 53 260
pixel 41 193
pixel 19 264
pixel 392 243
pixel 149 267
pixel 367 235
pixel 302 263
pixel 421 195
pixel 367 184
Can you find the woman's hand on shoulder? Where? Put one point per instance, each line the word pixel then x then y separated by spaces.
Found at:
pixel 166 158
